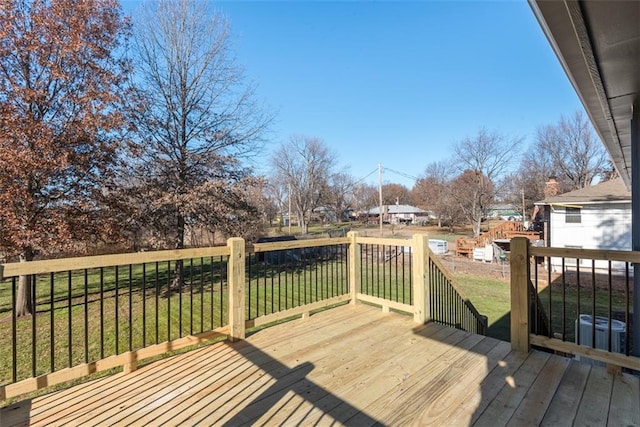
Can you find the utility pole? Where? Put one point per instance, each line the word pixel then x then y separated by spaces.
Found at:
pixel 380 194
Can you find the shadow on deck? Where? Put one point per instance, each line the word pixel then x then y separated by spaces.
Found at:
pixel 353 365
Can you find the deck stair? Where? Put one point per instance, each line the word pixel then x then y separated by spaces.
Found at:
pixel 505 230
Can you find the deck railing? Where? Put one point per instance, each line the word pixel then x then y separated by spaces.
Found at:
pixel 584 302
pixel 449 305
pixel 102 312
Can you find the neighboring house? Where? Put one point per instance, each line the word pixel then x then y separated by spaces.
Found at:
pixel 505 212
pixel 396 214
pixel 596 217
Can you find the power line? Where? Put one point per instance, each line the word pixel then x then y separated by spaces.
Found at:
pixel 405 175
pixel 370 173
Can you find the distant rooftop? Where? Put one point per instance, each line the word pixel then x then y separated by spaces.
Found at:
pixel 398 209
pixel 608 191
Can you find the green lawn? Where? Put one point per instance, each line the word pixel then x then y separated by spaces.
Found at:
pixel 491 297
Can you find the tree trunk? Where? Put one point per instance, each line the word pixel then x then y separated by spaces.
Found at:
pixel 24 303
pixel 476 228
pixel 178 278
pixel 302 221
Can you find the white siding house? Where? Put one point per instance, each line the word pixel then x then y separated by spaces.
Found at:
pixel 397 214
pixel 597 217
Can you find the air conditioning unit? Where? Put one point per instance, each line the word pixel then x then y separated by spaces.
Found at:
pixel 585 325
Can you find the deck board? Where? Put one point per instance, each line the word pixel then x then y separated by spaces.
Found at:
pixel 352 365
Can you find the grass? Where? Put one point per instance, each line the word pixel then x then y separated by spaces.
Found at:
pixel 117 309
pixel 101 312
pixel 491 297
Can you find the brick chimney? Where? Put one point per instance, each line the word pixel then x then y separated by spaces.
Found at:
pixel 551 187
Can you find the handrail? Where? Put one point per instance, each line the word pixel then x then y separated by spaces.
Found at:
pixel 579 301
pixel 117 289
pixel 453 284
pixel 573 253
pixel 296 244
pixel 79 263
pixel 479 323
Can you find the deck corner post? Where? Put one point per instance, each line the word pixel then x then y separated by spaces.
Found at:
pixel 520 273
pixel 354 266
pixel 421 292
pixel 236 281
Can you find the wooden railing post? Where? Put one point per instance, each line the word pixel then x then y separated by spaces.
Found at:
pixel 236 281
pixel 354 266
pixel 421 293
pixel 520 294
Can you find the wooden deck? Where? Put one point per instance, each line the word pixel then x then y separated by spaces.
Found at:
pixel 353 365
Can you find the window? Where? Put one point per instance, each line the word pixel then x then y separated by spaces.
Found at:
pixel 572 215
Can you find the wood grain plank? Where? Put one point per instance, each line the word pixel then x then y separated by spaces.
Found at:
pixel 345 366
pixel 326 364
pixel 501 376
pixel 400 377
pixel 423 390
pixel 532 409
pixel 446 402
pixel 562 410
pixel 625 401
pixel 79 399
pixel 594 406
pixel 289 370
pixel 137 387
pixel 256 363
pixel 500 410
pixel 348 381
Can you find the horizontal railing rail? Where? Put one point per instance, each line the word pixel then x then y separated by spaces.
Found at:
pixel 385 270
pixel 583 304
pixel 290 278
pixel 95 313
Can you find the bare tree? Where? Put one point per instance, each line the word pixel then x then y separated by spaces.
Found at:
pixel 277 192
pixel 199 122
pixel 305 165
pixel 365 197
pixel 482 161
pixel 567 151
pixel 576 155
pixel 340 194
pixel 393 193
pixel 432 191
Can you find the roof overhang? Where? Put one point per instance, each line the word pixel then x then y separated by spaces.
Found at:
pixel 598 45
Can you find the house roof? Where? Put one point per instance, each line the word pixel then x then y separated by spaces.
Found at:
pixel 398 209
pixel 608 191
pixel 598 45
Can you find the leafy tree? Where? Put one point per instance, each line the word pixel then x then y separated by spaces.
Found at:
pixel 304 165
pixel 482 161
pixel 61 101
pixel 198 124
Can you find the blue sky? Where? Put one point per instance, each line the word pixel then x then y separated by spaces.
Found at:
pixel 398 83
